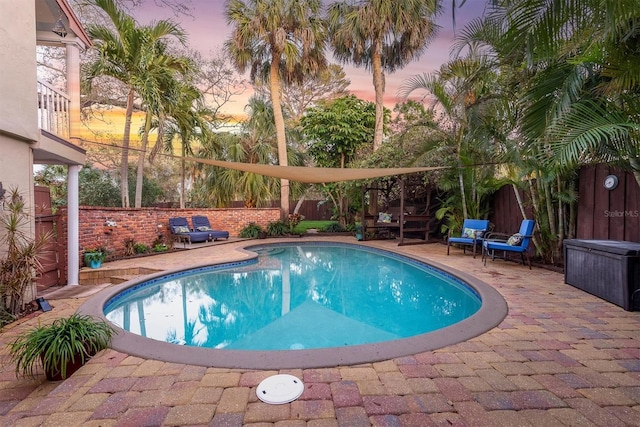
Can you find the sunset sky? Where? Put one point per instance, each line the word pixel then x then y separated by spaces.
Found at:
pixel 207 30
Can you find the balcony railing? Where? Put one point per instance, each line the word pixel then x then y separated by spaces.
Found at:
pixel 53 110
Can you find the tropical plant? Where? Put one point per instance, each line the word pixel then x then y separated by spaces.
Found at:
pixel 20 257
pixel 277 228
pixel 256 143
pixel 126 51
pixel 382 36
pixel 333 228
pixel 58 346
pixel 187 120
pixel 466 97
pixel 158 93
pixel 251 231
pixel 576 99
pixel 277 40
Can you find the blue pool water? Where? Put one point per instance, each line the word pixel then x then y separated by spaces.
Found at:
pixel 296 296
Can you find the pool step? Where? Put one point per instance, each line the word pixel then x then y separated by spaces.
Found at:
pixel 99 276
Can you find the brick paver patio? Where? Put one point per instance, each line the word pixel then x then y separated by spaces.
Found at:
pixel 560 357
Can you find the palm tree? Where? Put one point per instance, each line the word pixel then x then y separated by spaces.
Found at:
pixel 277 39
pixel 255 144
pixel 124 53
pixel 158 93
pixel 465 93
pixel 383 36
pixel 187 119
pixel 584 56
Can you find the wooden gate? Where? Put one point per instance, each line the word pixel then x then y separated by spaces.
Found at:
pixel 49 274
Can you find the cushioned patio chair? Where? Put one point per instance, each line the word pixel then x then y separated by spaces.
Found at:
pixel 517 243
pixel 473 231
pixel 181 232
pixel 201 223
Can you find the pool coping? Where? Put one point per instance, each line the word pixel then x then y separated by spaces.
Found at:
pixel 493 310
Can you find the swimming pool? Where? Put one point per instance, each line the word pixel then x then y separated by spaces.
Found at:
pixel 330 304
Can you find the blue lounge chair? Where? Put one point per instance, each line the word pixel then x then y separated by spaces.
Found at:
pixel 201 223
pixel 517 243
pixel 473 231
pixel 181 232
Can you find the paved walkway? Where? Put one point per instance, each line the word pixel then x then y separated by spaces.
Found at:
pixel 561 357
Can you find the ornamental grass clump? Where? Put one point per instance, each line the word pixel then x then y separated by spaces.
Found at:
pixel 61 347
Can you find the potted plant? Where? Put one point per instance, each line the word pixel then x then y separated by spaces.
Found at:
pixel 95 257
pixel 62 347
pixel 358 228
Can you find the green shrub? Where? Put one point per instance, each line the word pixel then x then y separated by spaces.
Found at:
pixel 160 247
pixel 251 231
pixel 277 228
pixel 333 228
pixel 140 248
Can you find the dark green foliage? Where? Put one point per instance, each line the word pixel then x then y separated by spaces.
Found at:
pixel 96 187
pixel 333 228
pixel 52 346
pixel 151 190
pixel 97 254
pixel 277 228
pixel 251 231
pixel 337 129
pixel 140 248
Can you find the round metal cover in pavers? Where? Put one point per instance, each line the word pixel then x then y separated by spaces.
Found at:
pixel 279 389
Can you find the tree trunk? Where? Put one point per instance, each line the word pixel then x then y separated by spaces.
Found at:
pixel 158 145
pixel 463 194
pixel 523 212
pixel 141 155
pixel 124 160
pixel 182 174
pixel 562 222
pixel 378 85
pixel 274 82
pixel 299 204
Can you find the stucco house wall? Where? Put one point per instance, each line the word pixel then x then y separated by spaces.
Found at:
pixel 18 92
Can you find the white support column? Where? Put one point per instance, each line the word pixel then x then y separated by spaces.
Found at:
pixel 73 227
pixel 73 87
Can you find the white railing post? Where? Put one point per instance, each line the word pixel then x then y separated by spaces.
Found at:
pixel 53 110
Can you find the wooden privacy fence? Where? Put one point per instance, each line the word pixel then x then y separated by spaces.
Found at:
pixel 601 213
pixel 608 214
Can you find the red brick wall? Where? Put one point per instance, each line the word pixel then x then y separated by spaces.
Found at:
pixel 143 225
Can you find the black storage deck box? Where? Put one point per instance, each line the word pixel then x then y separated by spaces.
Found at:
pixel 609 269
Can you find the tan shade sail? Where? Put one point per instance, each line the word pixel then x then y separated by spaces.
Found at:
pixel 312 174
